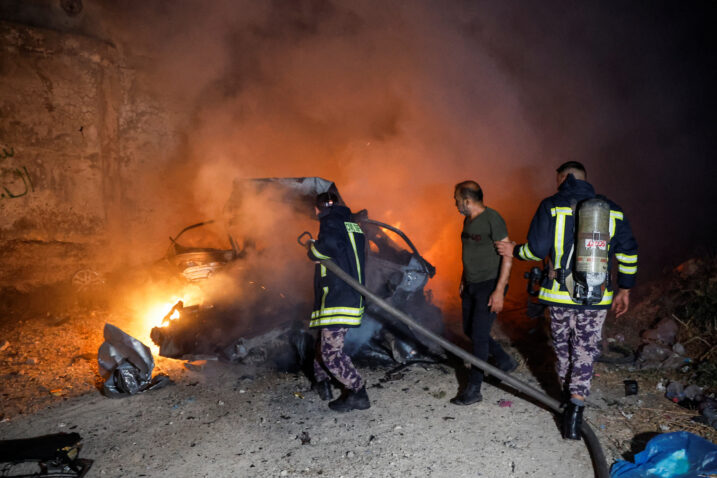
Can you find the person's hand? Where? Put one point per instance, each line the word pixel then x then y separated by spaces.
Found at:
pixel 495 302
pixel 505 248
pixel 461 288
pixel 621 302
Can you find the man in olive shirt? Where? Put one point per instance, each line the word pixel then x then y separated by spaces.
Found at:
pixel 483 284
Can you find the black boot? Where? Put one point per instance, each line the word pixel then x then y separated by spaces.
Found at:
pixel 470 395
pixel 323 388
pixel 509 365
pixel 572 421
pixel 350 400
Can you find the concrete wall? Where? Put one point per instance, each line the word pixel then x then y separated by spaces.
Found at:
pixel 76 128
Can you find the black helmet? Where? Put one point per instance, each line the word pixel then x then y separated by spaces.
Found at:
pixel 326 200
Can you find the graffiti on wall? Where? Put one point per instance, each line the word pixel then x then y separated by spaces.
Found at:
pixel 16 181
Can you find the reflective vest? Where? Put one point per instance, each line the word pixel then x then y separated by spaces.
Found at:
pixel 551 235
pixel 341 240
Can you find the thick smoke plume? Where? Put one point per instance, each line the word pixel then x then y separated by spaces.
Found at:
pixel 398 101
pixel 394 102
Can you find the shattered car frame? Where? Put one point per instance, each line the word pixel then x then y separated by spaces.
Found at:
pixel 395 271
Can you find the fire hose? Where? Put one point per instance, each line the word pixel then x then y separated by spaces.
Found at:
pixel 591 440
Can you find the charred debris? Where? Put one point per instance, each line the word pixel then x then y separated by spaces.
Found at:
pixel 267 323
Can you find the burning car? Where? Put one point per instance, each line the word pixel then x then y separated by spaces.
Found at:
pixel 258 290
pixel 198 263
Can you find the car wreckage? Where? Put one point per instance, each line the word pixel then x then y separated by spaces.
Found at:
pixel 257 324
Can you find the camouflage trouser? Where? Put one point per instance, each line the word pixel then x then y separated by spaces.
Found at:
pixel 330 356
pixel 576 339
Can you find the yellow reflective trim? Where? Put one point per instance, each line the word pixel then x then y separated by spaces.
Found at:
pixel 353 227
pixel 525 253
pixel 323 297
pixel 335 320
pixel 323 270
pixel 316 252
pixel 561 213
pixel 627 269
pixel 356 256
pixel 562 297
pixel 613 216
pixel 561 210
pixel 354 311
pixel 627 259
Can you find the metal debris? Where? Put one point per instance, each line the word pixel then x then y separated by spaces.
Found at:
pixel 126 364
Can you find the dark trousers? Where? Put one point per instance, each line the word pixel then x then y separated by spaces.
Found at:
pixel 477 322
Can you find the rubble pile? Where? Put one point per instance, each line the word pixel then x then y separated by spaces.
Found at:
pixel 47 358
pixel 683 331
pixel 672 330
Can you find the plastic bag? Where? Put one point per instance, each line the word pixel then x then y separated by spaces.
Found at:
pixel 126 364
pixel 671 455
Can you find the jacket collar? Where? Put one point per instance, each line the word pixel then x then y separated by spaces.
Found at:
pixel 336 210
pixel 576 188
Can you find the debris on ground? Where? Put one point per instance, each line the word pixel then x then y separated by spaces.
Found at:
pixel 664 332
pixel 126 364
pixel 54 455
pixel 673 330
pixel 671 455
pixel 631 387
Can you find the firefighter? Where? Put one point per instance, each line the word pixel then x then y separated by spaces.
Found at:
pixel 576 328
pixel 483 283
pixel 337 306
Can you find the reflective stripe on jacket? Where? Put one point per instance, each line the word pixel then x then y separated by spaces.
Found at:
pixel 341 240
pixel 551 235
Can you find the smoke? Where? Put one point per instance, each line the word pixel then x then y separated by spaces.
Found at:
pixel 398 101
pixel 394 102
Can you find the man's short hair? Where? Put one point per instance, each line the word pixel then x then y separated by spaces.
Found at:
pixel 326 200
pixel 470 190
pixel 572 165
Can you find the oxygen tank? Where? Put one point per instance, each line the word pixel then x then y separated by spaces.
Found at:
pixel 591 248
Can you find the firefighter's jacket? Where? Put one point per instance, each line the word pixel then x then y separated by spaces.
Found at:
pixel 341 240
pixel 552 233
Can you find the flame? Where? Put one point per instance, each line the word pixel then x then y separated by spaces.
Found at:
pixel 150 308
pixel 174 316
pixel 156 313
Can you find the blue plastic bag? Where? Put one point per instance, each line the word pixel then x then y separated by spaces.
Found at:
pixel 671 455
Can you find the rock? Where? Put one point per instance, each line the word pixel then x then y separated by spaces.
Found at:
pixel 678 348
pixel 4 344
pixel 305 438
pixel 664 332
pixel 31 361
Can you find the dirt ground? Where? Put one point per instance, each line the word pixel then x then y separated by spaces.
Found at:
pixel 221 419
